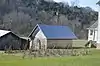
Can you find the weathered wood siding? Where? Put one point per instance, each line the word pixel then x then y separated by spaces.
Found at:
pixel 59 43
pixel 10 41
pixel 92 37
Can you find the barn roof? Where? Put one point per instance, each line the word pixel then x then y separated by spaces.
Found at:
pixel 4 32
pixel 26 38
pixel 94 26
pixel 56 32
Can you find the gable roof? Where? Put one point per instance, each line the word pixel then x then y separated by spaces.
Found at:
pixel 94 26
pixel 56 32
pixel 4 32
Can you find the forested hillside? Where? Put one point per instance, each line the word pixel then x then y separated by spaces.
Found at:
pixel 20 16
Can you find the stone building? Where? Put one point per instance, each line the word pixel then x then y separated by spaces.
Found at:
pixel 51 36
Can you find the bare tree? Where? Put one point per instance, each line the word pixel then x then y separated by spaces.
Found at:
pixel 75 3
pixel 17 22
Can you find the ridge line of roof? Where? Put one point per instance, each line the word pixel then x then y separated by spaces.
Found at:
pixel 51 25
pixel 93 25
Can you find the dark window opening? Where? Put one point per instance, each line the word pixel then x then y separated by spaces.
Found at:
pixel 39 43
pixel 91 32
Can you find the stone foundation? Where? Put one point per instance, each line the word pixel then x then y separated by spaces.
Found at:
pixel 98 46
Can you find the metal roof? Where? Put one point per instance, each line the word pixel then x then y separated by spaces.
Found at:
pixel 26 38
pixel 4 32
pixel 57 32
pixel 94 26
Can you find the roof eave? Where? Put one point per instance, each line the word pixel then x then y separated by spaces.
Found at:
pixel 33 30
pixel 61 38
pixel 91 28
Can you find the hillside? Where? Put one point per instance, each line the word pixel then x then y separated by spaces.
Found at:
pixel 20 16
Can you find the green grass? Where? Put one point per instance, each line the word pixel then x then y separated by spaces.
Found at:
pixel 90 60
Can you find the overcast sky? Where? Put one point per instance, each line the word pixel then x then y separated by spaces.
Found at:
pixel 84 3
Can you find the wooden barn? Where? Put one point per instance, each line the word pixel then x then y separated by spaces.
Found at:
pixel 51 36
pixel 9 40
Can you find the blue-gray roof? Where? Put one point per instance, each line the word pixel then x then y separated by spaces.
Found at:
pixel 57 32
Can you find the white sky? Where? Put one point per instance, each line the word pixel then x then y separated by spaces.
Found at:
pixel 84 3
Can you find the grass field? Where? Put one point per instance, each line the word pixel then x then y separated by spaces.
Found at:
pixel 90 60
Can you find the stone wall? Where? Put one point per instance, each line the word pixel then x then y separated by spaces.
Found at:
pixel 59 43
